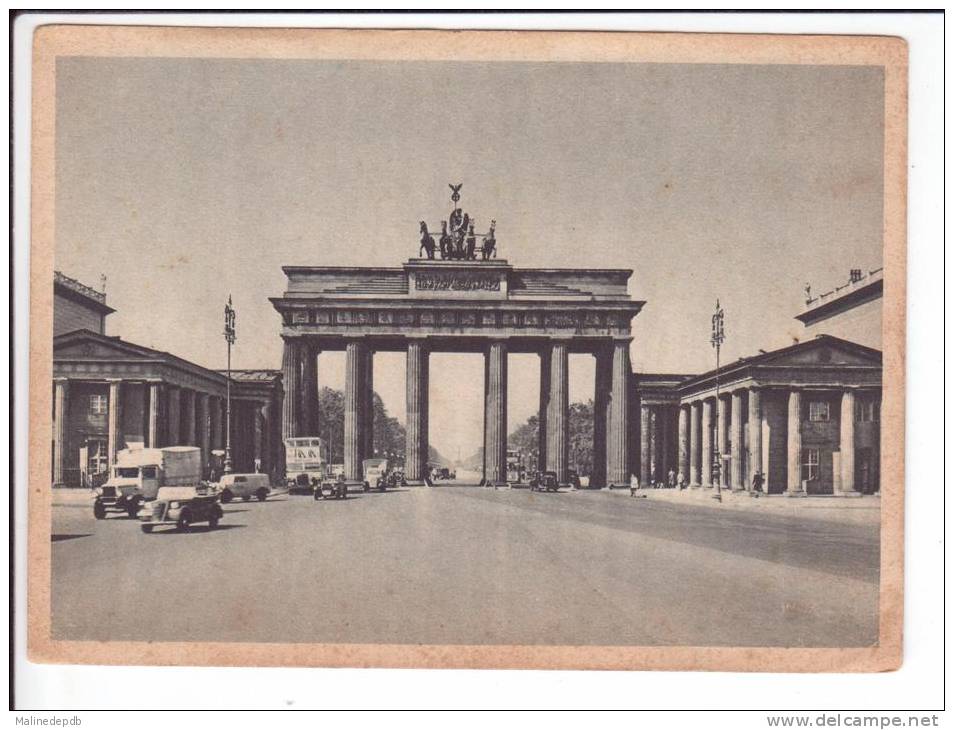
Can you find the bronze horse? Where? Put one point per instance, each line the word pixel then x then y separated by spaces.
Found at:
pixel 427 242
pixel 490 243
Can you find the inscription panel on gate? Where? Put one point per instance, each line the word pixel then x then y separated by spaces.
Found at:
pixel 456 281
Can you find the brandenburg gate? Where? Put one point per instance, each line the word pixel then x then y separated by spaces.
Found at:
pixel 461 298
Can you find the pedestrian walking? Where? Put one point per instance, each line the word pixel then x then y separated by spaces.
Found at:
pixel 757 481
pixel 672 479
pixel 633 484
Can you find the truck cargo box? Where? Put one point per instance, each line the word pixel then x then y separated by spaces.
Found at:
pixel 181 465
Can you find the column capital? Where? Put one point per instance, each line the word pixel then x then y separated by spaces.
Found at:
pixel 61 379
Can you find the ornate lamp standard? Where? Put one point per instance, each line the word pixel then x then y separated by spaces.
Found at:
pixel 718 337
pixel 230 340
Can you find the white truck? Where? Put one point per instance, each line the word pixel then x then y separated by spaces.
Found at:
pixel 138 474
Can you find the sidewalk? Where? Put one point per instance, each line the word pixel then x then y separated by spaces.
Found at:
pixel 79 497
pixel 855 510
pixel 72 497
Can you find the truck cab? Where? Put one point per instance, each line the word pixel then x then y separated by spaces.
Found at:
pixel 139 473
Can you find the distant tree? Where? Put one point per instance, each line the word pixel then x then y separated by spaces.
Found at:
pixel 331 423
pixel 581 437
pixel 389 433
pixel 580 428
pixel 524 439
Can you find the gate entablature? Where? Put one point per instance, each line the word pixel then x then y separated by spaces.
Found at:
pixel 450 298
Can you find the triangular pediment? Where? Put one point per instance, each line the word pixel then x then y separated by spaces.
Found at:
pixel 88 345
pixel 823 350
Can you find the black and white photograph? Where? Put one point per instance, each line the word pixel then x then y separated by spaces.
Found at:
pixel 487 350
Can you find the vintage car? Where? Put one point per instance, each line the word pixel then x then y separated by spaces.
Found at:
pixel 375 474
pixel 573 477
pixel 329 487
pixel 181 507
pixel 544 482
pixel 397 479
pixel 245 486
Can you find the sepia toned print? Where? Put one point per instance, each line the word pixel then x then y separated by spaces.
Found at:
pixel 373 348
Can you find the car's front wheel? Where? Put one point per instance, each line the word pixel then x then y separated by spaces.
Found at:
pixel 146 528
pixel 99 510
pixel 226 496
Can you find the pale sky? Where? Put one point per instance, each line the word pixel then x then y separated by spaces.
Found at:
pixel 183 180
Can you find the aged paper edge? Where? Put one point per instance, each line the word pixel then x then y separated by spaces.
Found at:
pixel 64 40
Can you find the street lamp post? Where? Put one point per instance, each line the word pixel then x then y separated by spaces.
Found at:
pixel 230 340
pixel 718 337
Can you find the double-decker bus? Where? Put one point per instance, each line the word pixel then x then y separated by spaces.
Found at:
pixel 306 460
pixel 516 471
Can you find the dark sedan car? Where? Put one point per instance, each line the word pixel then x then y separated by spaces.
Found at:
pixel 544 482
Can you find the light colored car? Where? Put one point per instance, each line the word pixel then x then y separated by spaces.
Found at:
pixel 244 486
pixel 181 507
pixel 375 474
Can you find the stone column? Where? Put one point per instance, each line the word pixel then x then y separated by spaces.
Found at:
pixel 847 442
pixel 558 412
pixel 367 401
pixel 755 435
pixel 655 443
pixel 173 415
pixel 684 442
pixel 308 416
pixel 795 442
pixel 188 416
pixel 268 460
pixel 721 434
pixel 617 438
pixel 257 429
pixel 601 402
pixel 705 466
pixel 152 423
pixel 738 442
pixel 544 408
pixel 695 445
pixel 291 381
pixel 355 372
pixel 204 441
pixel 416 437
pixel 215 418
pixel 495 414
pixel 60 429
pixel 645 444
pixel 115 404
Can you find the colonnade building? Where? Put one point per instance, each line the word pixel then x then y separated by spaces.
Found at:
pixel 110 394
pixel 807 417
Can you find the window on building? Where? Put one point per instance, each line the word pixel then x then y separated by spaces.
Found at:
pixel 818 410
pixel 867 411
pixel 97 405
pixel 809 464
pixel 98 460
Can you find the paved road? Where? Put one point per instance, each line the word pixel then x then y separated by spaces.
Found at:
pixel 467 565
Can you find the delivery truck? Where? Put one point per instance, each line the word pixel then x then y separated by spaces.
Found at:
pixel 138 474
